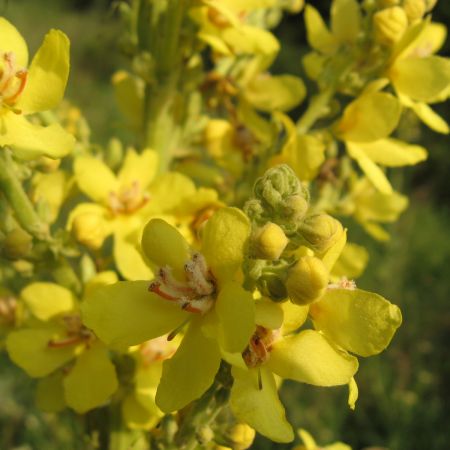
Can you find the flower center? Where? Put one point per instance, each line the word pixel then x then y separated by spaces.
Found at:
pixel 259 347
pixel 128 200
pixel 76 333
pixel 195 294
pixel 12 79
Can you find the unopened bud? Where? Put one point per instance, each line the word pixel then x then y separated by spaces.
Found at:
pixel 279 197
pixel 269 242
pixel 320 231
pixel 242 436
pixel 89 230
pixel 414 9
pixel 390 24
pixel 307 280
pixel 17 244
pixel 296 207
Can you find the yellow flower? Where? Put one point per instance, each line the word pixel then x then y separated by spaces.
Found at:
pixel 25 91
pixel 223 27
pixel 73 365
pixel 417 75
pixel 195 287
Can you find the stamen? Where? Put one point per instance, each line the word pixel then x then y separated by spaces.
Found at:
pixel 155 287
pixel 260 384
pixel 52 343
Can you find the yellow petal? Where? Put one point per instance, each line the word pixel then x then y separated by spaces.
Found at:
pixel 275 93
pixel 359 321
pixel 169 191
pixel 190 372
pixel 259 408
pixel 164 245
pixel 12 41
pixel 309 357
pixel 125 314
pixel 47 300
pixel 393 152
pixel 371 170
pixel 268 314
pixel 29 141
pixel 319 37
pixel 352 393
pixel 95 178
pixel 235 309
pixel 351 263
pixel 372 205
pixel 429 117
pixel 28 348
pixel 129 259
pixel 294 317
pixel 251 40
pixel 47 76
pixel 303 153
pixel 140 168
pixel 91 381
pixel 422 79
pixel 370 117
pixel 224 240
pixel 345 20
pixel 50 393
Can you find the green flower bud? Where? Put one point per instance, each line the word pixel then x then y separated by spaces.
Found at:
pixel 269 242
pixel 414 9
pixel 89 230
pixel 279 198
pixel 319 232
pixel 17 244
pixel 390 24
pixel 307 280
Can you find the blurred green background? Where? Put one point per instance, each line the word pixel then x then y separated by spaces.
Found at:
pixel 404 399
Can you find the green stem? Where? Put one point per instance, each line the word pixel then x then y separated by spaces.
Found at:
pixel 13 190
pixel 316 109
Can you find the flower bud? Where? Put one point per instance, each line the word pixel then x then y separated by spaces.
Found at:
pixel 307 280
pixel 17 244
pixel 390 24
pixel 414 9
pixel 320 231
pixel 279 198
pixel 242 436
pixel 296 207
pixel 269 242
pixel 89 230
